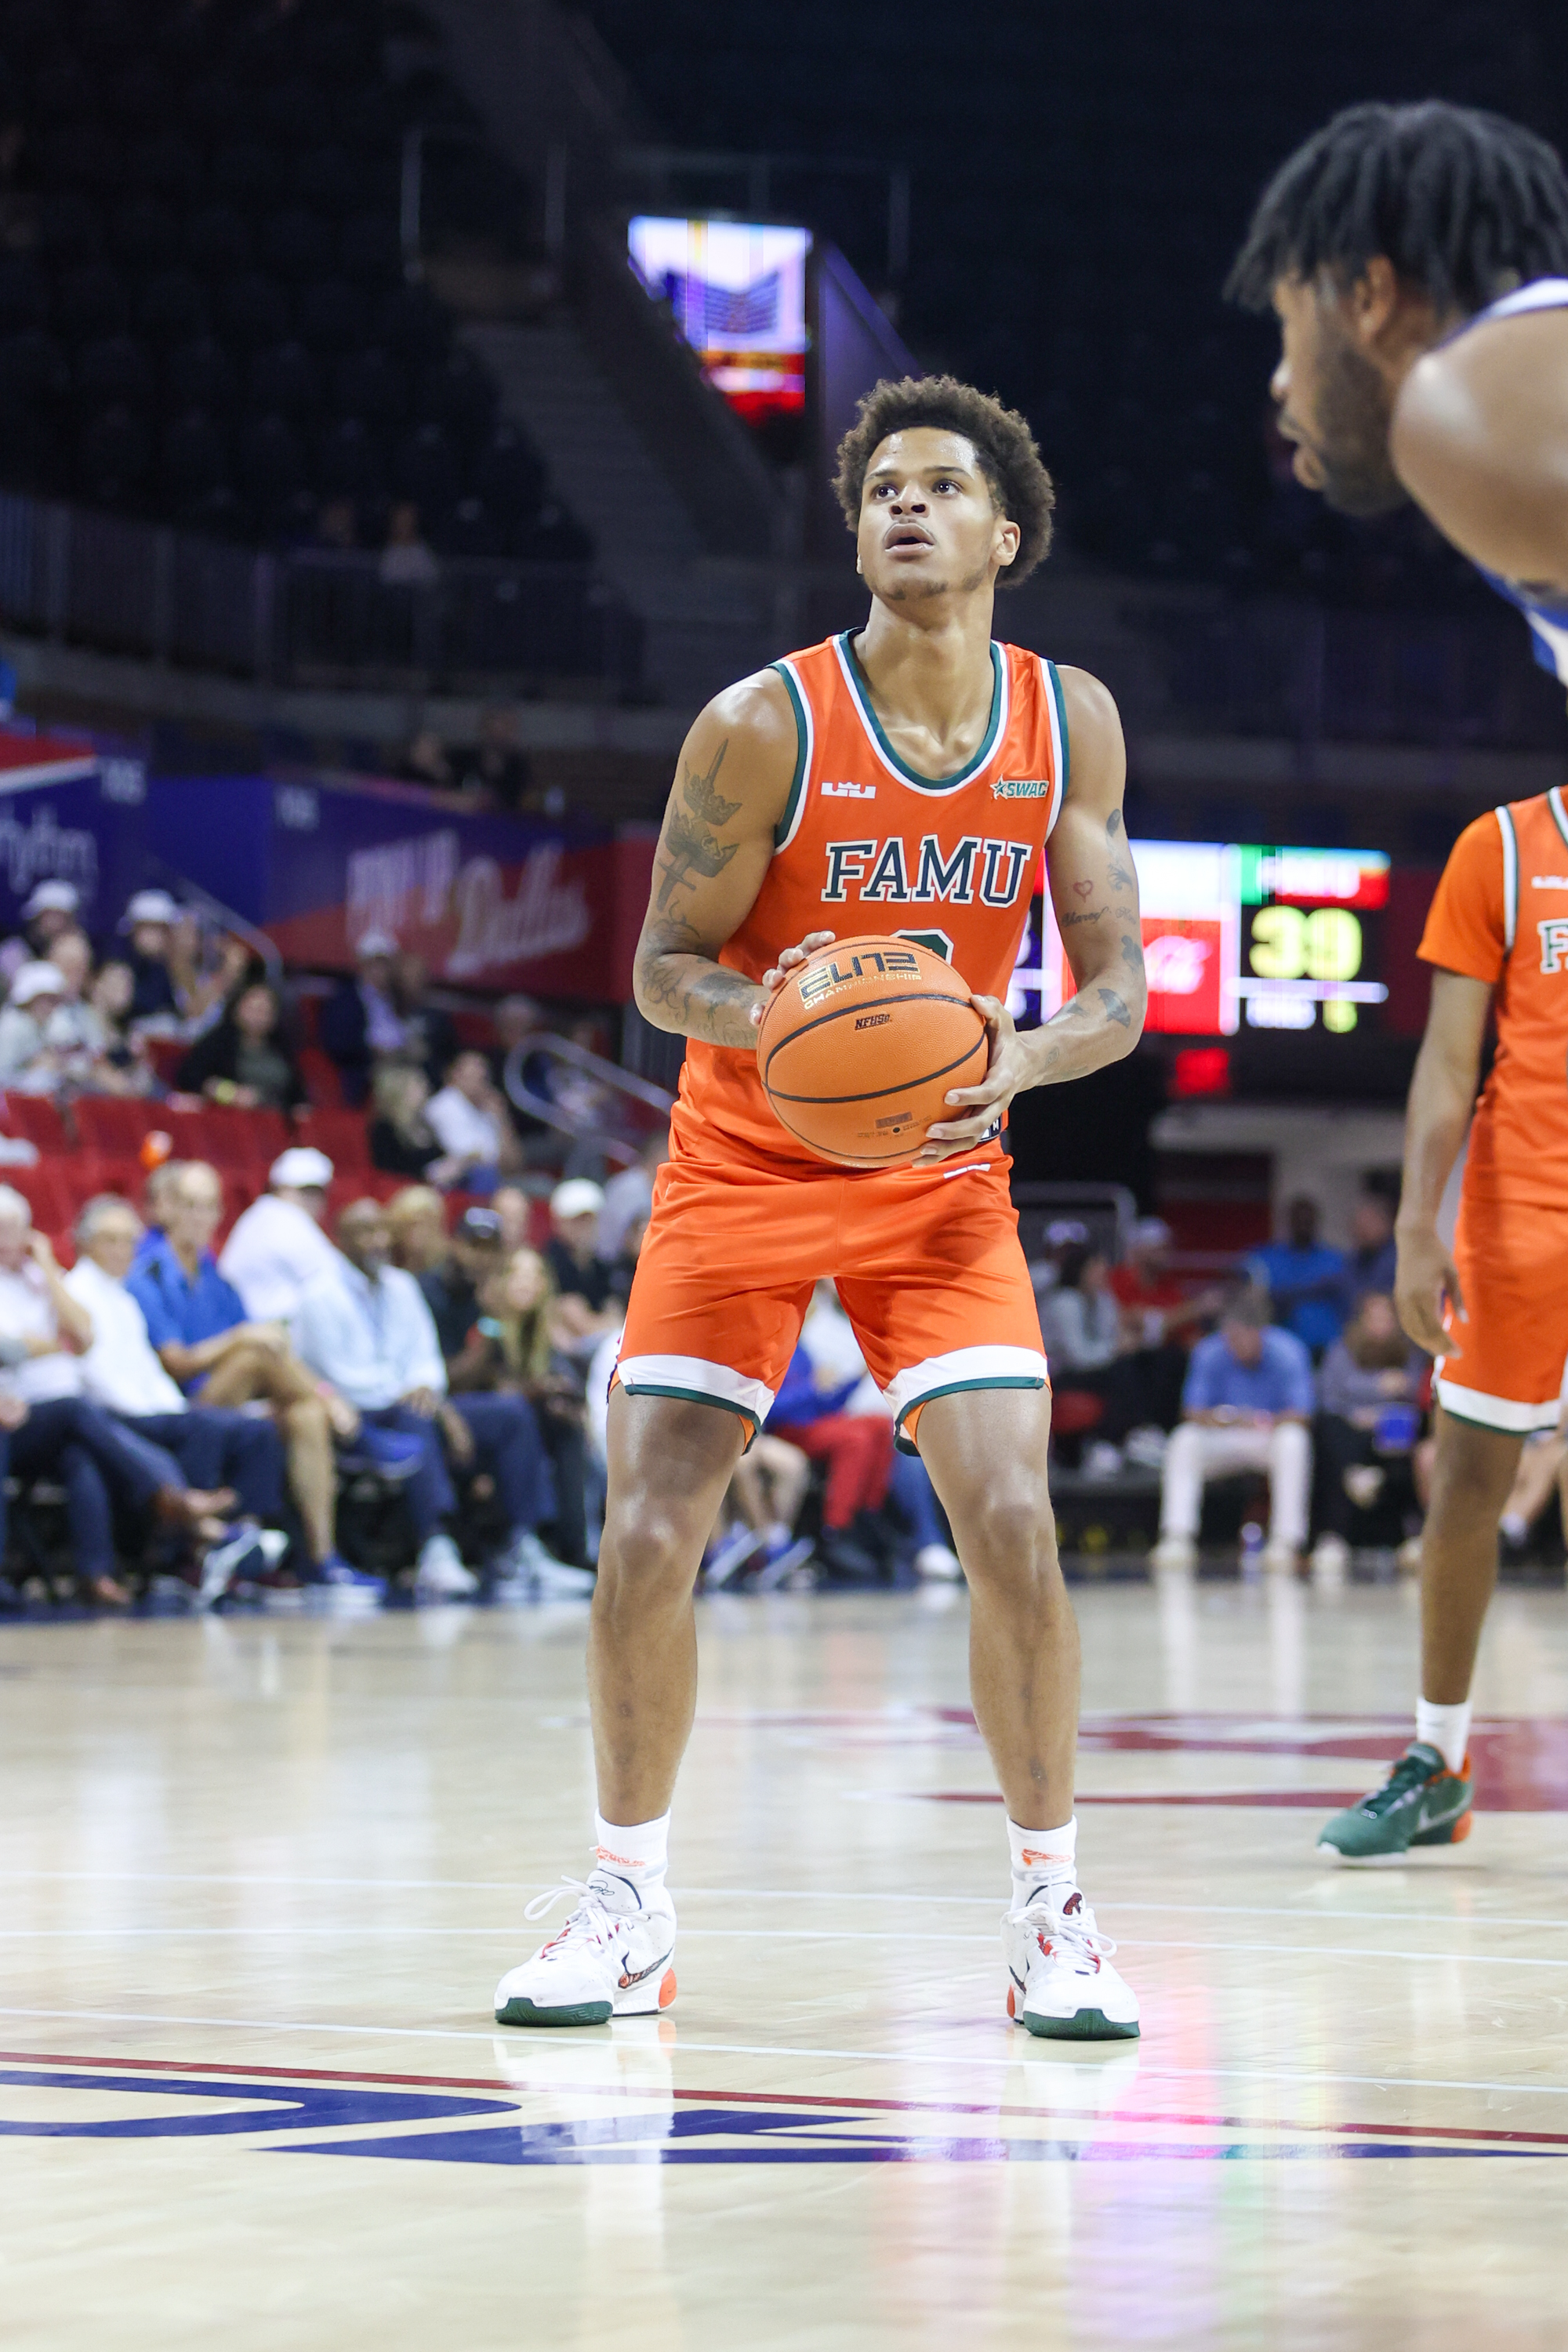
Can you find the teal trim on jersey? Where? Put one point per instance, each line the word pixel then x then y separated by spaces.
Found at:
pixel 1061 730
pixel 801 737
pixel 700 1396
pixel 971 768
pixel 1554 802
pixel 955 1388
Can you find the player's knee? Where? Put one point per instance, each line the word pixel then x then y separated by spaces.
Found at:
pixel 648 1552
pixel 1008 1532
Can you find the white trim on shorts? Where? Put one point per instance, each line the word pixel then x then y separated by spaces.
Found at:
pixel 963 1368
pixel 1505 1413
pixel 695 1380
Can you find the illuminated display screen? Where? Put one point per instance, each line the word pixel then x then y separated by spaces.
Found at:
pixel 1239 936
pixel 738 292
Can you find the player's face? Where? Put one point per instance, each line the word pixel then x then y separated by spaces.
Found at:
pixel 927 526
pixel 1334 404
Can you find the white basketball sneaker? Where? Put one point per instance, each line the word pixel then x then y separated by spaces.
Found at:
pixel 611 1958
pixel 1061 1984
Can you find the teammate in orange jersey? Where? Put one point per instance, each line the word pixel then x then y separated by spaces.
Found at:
pixel 899 780
pixel 1417 258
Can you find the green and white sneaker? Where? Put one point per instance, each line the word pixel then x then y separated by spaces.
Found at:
pixel 1061 1982
pixel 1420 1803
pixel 610 1959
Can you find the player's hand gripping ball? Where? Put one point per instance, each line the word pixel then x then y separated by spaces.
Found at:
pixel 860 1047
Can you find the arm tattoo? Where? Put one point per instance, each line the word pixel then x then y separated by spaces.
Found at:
pixel 1114 1008
pixel 1114 824
pixel 1065 922
pixel 1132 951
pixel 690 849
pixel 1120 879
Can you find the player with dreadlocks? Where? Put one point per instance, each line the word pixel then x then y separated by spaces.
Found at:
pixel 1417 260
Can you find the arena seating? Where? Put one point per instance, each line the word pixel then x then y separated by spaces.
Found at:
pixel 203 316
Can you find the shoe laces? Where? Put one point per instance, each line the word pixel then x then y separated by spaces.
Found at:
pixel 595 1916
pixel 1067 1927
pixel 1412 1771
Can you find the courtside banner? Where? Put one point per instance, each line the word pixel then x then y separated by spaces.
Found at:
pixel 69 811
pixel 489 901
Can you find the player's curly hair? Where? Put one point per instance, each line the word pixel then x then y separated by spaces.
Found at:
pixel 1466 205
pixel 1003 445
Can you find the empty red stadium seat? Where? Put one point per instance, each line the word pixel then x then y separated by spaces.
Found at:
pixel 38 1120
pixel 343 1135
pixel 115 1123
pixel 319 1073
pixel 41 1187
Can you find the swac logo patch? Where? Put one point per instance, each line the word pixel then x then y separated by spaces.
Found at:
pixel 1021 788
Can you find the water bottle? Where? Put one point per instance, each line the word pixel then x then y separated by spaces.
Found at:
pixel 1251 1549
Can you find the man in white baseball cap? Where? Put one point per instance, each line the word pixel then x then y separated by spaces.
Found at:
pixel 26 1062
pixel 150 918
pixel 53 907
pixel 278 1246
pixel 360 1019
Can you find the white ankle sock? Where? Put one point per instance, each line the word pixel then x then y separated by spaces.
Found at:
pixel 640 1851
pixel 1043 1857
pixel 1446 1729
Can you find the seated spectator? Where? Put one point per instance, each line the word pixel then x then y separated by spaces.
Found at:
pixel 210 968
pixel 402 1140
pixel 198 1323
pixel 366 1328
pixel 150 919
pixel 1542 1466
pixel 471 1121
pixel 124 1058
pixel 416 1218
pixel 121 1372
pixel 517 1019
pixel 628 1195
pixel 406 560
pixel 360 1021
pixel 1370 1389
pixel 1080 1319
pixel 48 1430
pixel 1248 1403
pixel 1160 1321
pixel 246 1059
pixel 278 1246
pixel 1373 1256
pixel 756 1531
pixel 496 772
pixel 51 909
pixel 424 762
pixel 29 1065
pixel 428 1031
pixel 506 1305
pixel 1305 1280
pixel 515 1210
pixel 590 1303
pixel 808 1414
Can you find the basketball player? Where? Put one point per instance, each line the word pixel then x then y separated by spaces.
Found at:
pixel 1417 258
pixel 900 779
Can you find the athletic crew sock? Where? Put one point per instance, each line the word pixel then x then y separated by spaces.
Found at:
pixel 1446 1729
pixel 640 1851
pixel 1046 1858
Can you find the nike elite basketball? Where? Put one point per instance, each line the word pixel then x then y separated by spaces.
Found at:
pixel 860 1047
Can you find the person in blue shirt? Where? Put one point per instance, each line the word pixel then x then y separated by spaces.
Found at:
pixel 198 1323
pixel 1247 1405
pixel 1305 1280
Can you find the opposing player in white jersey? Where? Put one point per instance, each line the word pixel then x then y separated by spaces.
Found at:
pixel 1417 260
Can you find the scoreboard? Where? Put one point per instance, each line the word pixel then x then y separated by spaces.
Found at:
pixel 1237 935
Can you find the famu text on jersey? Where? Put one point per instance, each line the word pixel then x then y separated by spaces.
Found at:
pixel 974 871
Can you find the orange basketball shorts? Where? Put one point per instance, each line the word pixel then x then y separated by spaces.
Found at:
pixel 927 1264
pixel 1504 1365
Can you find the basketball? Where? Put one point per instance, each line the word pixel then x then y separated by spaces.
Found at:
pixel 860 1047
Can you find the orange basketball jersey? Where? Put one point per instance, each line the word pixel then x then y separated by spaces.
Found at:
pixel 866 845
pixel 1500 914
